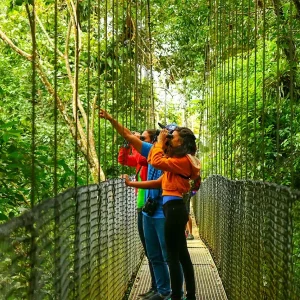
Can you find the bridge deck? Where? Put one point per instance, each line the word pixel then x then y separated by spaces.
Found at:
pixel 208 282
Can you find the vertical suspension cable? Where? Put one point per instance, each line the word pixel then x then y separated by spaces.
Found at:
pixel 55 108
pixel 205 113
pixel 88 90
pixel 215 84
pixel 292 64
pixel 209 105
pixel 224 88
pixel 77 52
pixel 236 143
pixel 124 67
pixel 114 52
pixel 277 97
pixel 211 94
pixel 263 89
pixel 98 31
pixel 57 286
pixel 33 262
pixel 240 248
pixel 255 94
pixel 222 97
pixel 242 157
pixel 231 97
pixel 138 124
pixel 143 104
pixel 129 21
pixel 228 156
pixel 99 207
pixel 151 67
pixel 127 33
pixel 122 79
pixel 105 82
pixel 33 100
pixel 220 75
pixel 247 88
pixel 226 93
pixel 89 155
pixel 113 79
pixel 256 177
pixel 76 233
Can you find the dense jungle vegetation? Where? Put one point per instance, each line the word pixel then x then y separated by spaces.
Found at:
pixel 234 65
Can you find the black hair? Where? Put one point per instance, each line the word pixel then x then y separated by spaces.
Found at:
pixel 152 134
pixel 188 145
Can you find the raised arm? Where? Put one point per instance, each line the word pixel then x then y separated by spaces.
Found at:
pixel 123 131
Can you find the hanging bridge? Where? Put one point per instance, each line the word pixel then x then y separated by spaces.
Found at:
pixel 226 69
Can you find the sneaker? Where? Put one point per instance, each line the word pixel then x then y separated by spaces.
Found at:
pixel 190 237
pixel 148 294
pixel 158 296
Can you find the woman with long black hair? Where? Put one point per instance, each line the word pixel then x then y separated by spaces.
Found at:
pixel 175 156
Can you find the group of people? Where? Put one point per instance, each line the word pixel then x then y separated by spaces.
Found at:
pixel 163 171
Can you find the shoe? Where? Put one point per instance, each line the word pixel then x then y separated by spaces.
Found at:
pixel 148 294
pixel 158 296
pixel 190 237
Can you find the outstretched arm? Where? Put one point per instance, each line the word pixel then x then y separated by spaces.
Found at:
pixel 123 131
pixel 149 184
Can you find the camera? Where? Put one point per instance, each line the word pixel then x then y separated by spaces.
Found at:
pixel 170 128
pixel 150 206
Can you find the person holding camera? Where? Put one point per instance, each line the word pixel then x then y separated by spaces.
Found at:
pixel 129 156
pixel 154 223
pixel 175 156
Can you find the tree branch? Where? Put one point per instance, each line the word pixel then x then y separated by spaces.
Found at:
pixel 14 47
pixel 47 36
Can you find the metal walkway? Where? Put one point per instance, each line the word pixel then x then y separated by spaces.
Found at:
pixel 208 282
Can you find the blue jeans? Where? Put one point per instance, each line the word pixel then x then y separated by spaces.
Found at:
pixel 154 231
pixel 142 238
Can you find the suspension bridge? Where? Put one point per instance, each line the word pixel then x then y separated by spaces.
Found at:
pixel 68 223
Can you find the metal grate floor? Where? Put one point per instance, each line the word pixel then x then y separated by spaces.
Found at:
pixel 208 282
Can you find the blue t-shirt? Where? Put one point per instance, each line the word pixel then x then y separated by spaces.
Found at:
pixel 152 175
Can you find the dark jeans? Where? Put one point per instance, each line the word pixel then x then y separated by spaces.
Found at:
pixel 177 252
pixel 142 238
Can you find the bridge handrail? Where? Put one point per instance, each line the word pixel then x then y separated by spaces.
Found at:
pixel 82 244
pixel 252 229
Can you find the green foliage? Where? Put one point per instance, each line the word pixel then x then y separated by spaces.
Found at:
pixel 29 164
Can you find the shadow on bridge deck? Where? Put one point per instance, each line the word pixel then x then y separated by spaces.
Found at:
pixel 208 282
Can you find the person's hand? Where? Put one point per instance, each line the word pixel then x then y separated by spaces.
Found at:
pixel 126 177
pixel 136 134
pixel 162 136
pixel 105 115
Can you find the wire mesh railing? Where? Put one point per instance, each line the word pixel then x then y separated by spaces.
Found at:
pixel 251 229
pixel 83 244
